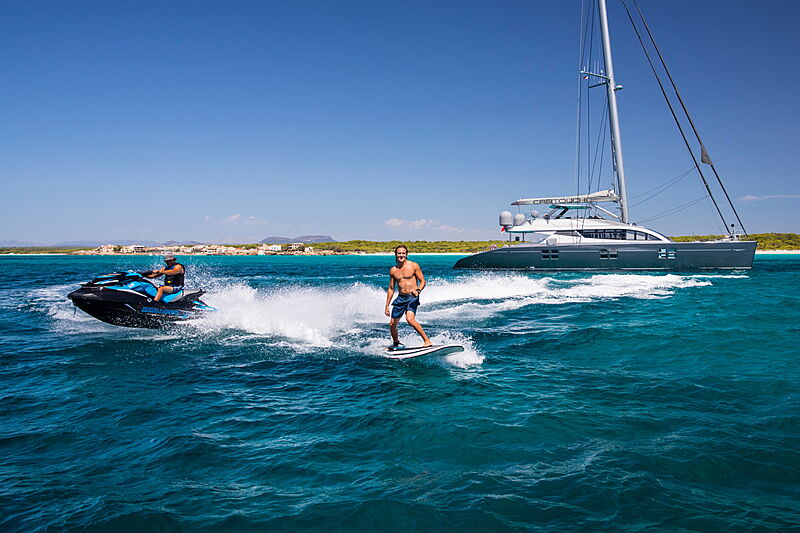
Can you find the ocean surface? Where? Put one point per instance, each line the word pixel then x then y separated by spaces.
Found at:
pixel 595 402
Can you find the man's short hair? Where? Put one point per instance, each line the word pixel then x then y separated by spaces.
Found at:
pixel 400 246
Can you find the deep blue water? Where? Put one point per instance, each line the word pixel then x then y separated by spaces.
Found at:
pixel 582 402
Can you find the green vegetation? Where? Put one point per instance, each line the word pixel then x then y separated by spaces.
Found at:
pixel 413 246
pixel 39 250
pixel 766 241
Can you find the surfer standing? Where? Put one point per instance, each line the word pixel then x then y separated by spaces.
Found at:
pixel 410 282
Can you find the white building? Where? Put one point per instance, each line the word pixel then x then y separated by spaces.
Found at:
pixel 133 249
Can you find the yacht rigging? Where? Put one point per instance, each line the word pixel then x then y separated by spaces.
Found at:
pixel 578 233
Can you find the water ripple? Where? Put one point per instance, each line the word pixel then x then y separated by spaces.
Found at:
pixel 583 401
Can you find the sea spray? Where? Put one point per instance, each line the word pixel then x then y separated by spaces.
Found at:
pixel 336 313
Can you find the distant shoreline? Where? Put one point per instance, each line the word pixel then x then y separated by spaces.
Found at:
pixel 309 254
pixel 768 243
pixel 312 254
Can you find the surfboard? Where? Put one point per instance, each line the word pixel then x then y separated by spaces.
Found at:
pixel 419 351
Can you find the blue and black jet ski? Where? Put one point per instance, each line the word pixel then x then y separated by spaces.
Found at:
pixel 126 299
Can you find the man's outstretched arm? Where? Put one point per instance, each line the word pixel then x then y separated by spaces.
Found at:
pixel 389 293
pixel 420 279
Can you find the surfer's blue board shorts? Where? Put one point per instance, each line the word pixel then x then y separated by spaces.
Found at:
pixel 403 303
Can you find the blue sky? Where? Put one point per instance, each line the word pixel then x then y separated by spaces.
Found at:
pixel 376 120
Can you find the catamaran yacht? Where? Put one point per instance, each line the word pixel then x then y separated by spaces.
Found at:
pixel 577 233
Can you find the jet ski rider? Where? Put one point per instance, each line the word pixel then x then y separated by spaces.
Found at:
pixel 173 277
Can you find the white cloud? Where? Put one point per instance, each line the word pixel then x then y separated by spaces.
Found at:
pixel 435 230
pixel 449 229
pixel 236 219
pixel 255 221
pixel 421 223
pixel 399 223
pixel 750 198
pixel 395 222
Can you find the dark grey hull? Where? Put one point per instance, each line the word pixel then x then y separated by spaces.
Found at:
pixel 678 256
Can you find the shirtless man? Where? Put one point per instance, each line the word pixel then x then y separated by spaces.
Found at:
pixel 410 282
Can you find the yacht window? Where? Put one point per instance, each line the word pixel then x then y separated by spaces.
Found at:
pixel 611 234
pixel 568 232
pixel 667 253
pixel 549 254
pixel 608 253
pixel 652 237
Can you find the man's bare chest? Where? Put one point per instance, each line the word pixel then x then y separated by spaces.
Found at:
pixel 404 273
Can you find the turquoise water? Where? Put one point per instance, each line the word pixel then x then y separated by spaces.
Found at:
pixel 582 402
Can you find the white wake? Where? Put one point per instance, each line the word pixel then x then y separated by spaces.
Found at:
pixel 350 314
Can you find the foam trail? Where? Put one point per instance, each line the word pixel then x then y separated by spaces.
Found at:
pixel 350 314
pixel 719 276
pixel 630 285
pixel 376 346
pixel 485 287
pixel 495 293
pixel 312 315
pixel 68 319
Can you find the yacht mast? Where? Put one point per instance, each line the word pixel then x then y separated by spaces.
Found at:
pixel 611 88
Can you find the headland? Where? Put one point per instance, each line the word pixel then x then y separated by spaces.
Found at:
pixel 786 243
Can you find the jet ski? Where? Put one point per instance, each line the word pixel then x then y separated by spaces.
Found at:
pixel 126 299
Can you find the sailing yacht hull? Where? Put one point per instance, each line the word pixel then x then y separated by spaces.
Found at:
pixel 673 256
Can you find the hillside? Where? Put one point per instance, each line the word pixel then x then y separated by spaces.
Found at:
pixel 766 241
pixel 306 239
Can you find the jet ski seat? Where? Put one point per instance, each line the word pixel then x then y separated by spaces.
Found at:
pixel 175 296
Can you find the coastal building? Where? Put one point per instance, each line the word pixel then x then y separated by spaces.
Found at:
pixel 296 246
pixel 264 248
pixel 133 249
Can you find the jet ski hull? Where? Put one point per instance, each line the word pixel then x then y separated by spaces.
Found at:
pixel 130 304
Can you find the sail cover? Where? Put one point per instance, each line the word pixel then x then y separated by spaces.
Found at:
pixel 599 196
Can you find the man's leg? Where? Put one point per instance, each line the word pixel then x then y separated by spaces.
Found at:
pixel 393 329
pixel 412 321
pixel 162 290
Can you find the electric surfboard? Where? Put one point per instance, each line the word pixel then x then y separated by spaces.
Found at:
pixel 419 351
